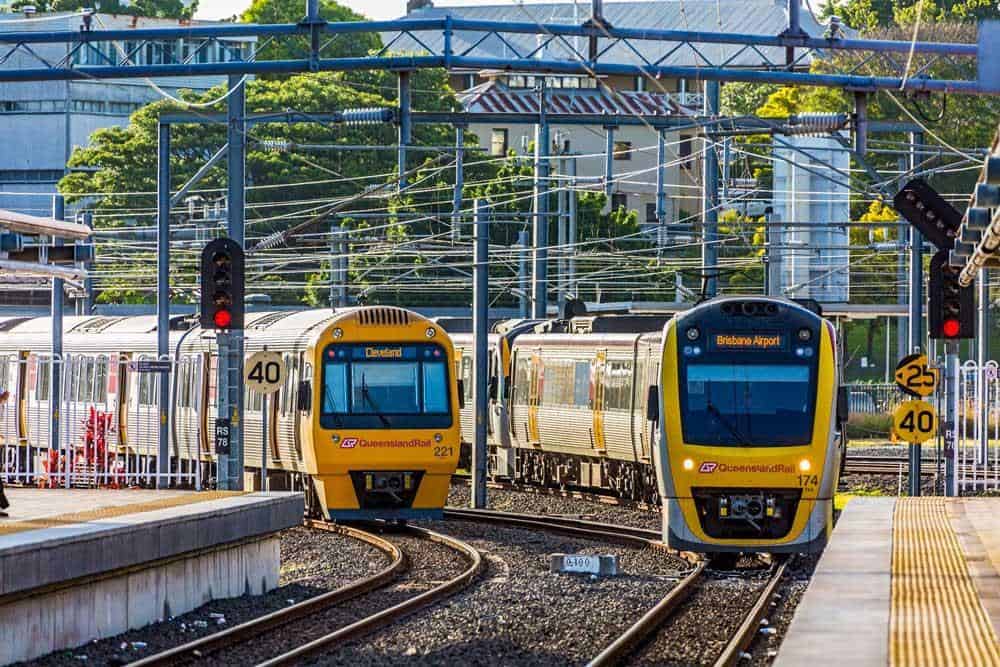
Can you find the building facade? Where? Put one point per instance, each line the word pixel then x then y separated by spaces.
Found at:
pixel 42 122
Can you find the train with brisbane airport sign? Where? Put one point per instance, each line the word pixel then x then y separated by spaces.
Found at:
pixel 366 421
pixel 729 415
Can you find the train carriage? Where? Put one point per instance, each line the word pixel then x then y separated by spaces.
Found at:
pixel 753 427
pixel 383 449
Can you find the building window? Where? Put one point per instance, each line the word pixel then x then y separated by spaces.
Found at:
pixel 623 150
pixel 651 213
pixel 498 141
pixel 619 200
pixel 685 152
pixel 516 81
pixel 30 175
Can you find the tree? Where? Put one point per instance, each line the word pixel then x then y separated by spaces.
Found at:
pixel 170 9
pixel 291 166
pixel 293 11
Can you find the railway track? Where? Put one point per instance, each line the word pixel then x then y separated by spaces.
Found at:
pixel 649 623
pixel 240 635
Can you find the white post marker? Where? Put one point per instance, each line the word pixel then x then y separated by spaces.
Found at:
pixel 264 373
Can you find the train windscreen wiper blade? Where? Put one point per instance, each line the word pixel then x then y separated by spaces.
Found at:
pixel 368 399
pixel 719 417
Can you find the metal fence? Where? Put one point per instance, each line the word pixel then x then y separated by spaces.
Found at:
pixel 976 432
pixel 107 431
pixel 873 398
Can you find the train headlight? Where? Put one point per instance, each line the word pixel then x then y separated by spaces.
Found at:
pixel 804 465
pixel 688 464
pixel 805 334
pixel 693 333
pixel 338 333
pixel 430 332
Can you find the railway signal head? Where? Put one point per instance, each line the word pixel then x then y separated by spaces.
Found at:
pixel 951 311
pixel 222 285
pixel 926 210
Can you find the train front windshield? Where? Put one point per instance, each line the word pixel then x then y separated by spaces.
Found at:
pixel 385 386
pixel 747 404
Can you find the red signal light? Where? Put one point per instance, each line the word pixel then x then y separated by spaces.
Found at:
pixel 223 318
pixel 951 327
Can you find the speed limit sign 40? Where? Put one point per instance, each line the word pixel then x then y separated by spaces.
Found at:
pixel 915 421
pixel 264 372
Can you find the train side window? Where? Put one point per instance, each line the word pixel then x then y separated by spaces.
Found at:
pixel 100 384
pixel 521 374
pixel 467 378
pixel 617 385
pixel 581 384
pixel 42 388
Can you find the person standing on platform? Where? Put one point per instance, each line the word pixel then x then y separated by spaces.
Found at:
pixel 4 503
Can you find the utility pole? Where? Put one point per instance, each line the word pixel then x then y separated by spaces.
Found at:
pixel 163 301
pixel 609 161
pixel 540 251
pixel 572 233
pixel 338 264
pixel 523 282
pixel 916 327
pixel 982 356
pixel 661 192
pixel 562 207
pixel 404 126
pixel 480 344
pixel 230 343
pixel 58 360
pixel 456 204
pixel 710 197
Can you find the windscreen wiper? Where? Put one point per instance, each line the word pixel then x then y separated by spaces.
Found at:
pixel 368 398
pixel 337 419
pixel 719 417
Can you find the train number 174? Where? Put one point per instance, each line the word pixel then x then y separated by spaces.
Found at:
pixel 808 480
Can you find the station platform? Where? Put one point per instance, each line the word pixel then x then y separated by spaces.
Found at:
pixel 82 564
pixel 906 582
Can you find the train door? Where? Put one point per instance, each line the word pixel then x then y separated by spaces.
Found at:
pixel 597 403
pixel 640 387
pixel 536 376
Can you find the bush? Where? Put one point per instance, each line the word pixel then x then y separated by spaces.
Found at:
pixel 869 426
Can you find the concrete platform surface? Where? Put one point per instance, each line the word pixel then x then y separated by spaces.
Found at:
pixel 907 582
pixel 60 535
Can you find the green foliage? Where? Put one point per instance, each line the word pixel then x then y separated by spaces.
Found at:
pixel 172 9
pixel 869 426
pixel 867 15
pixel 293 11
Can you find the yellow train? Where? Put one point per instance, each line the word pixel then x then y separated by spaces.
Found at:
pixel 367 421
pixel 752 435
pixel 730 415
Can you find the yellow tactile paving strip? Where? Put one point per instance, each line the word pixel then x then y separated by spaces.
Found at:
pixel 113 511
pixel 936 616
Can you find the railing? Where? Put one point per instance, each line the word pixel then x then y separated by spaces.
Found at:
pixel 91 450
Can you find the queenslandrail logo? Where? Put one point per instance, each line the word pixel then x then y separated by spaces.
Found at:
pixel 351 443
pixel 711 467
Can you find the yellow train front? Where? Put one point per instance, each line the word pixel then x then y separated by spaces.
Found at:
pixel 750 447
pixel 383 434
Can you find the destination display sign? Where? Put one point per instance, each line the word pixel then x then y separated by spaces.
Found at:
pixel 749 341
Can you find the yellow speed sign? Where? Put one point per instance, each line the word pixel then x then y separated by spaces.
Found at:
pixel 915 421
pixel 915 376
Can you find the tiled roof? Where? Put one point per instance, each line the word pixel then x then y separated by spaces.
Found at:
pixel 494 97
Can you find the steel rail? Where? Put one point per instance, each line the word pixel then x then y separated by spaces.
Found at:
pixel 204 646
pixel 649 622
pixel 748 629
pixel 630 535
pixel 386 616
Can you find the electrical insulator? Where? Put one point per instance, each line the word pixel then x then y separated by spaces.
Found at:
pixel 816 123
pixel 367 116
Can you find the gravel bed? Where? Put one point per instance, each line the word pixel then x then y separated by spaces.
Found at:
pixel 703 625
pixel 528 502
pixel 430 564
pixel 891 451
pixel 518 613
pixel 765 647
pixel 312 562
